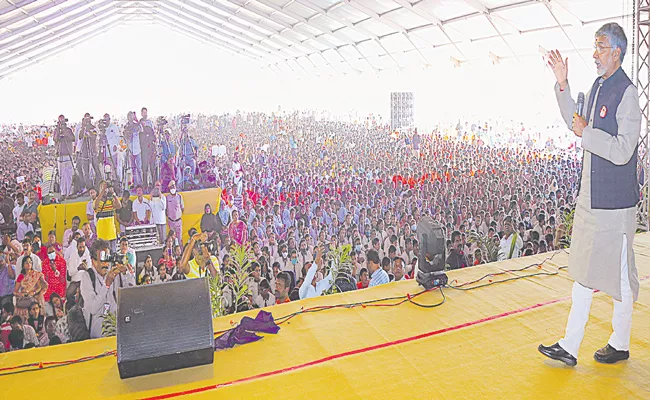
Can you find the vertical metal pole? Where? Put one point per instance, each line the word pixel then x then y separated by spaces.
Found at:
pixel 641 46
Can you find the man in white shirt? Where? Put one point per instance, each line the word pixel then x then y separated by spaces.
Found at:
pixel 264 297
pixel 78 261
pixel 20 205
pixel 141 208
pixel 90 209
pixel 113 142
pixel 36 261
pixel 511 244
pixel 24 225
pixel 310 288
pixel 99 286
pixel 159 212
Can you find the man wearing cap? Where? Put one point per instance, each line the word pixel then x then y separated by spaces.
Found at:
pixel 174 210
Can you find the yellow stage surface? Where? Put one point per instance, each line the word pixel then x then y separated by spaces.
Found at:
pixel 480 344
pixel 62 214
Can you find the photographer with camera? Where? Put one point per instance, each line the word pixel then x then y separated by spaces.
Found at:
pixel 64 139
pixel 148 146
pixel 202 261
pixel 167 160
pixel 99 285
pixel 106 204
pixel 132 131
pixel 189 152
pixel 111 143
pixel 87 153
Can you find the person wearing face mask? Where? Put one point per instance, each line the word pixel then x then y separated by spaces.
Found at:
pixel 283 258
pixel 158 212
pixel 295 265
pixel 174 209
pixel 54 271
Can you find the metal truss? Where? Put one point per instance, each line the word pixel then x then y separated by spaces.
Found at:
pixel 306 37
pixel 641 48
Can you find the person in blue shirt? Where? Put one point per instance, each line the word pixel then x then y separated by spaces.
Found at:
pixel 377 275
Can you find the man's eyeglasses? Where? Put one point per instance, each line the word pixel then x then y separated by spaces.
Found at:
pixel 600 48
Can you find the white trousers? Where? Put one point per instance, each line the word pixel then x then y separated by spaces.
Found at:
pixel 581 304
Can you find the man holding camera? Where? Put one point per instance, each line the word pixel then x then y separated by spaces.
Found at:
pixel 112 153
pixel 148 146
pixel 132 132
pixel 106 204
pixel 99 286
pixel 64 139
pixel 87 157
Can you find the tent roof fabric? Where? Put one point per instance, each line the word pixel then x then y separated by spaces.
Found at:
pixel 316 37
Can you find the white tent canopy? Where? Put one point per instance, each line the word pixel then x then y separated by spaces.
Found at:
pixel 318 37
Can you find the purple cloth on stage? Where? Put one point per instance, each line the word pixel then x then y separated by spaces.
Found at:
pixel 245 332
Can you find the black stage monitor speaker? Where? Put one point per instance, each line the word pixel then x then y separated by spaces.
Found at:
pixel 431 260
pixel 164 327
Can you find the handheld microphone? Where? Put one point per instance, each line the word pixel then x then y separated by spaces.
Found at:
pixel 580 105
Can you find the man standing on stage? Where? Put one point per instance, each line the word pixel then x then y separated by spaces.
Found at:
pixel 175 207
pixel 602 257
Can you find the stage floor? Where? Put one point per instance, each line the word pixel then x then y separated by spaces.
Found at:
pixel 479 344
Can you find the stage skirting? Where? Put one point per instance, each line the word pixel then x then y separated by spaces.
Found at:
pixel 195 202
pixel 479 344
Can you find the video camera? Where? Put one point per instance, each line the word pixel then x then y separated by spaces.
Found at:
pixel 110 191
pixel 114 258
pixel 103 124
pixel 185 119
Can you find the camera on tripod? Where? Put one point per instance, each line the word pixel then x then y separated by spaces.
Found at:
pixel 103 124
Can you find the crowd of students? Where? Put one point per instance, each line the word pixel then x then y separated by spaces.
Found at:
pixel 300 187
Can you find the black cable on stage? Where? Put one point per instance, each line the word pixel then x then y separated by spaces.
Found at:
pixel 368 303
pixel 490 275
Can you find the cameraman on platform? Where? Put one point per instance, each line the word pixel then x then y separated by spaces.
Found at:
pixel 189 152
pixel 132 132
pixel 87 139
pixel 99 285
pixel 64 139
pixel 148 146
pixel 112 153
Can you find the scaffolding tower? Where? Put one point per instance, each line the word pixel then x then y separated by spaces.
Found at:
pixel 641 66
pixel 402 110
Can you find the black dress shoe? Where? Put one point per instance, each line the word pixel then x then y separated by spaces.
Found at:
pixel 556 352
pixel 609 355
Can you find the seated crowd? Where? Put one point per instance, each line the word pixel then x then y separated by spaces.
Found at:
pixel 301 188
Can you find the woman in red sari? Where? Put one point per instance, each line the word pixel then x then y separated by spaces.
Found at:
pixel 54 271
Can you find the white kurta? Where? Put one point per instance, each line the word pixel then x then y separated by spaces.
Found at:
pixel 597 236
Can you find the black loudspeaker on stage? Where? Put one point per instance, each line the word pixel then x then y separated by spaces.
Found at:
pixel 432 255
pixel 164 327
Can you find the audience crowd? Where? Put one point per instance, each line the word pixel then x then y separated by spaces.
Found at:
pixel 294 188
